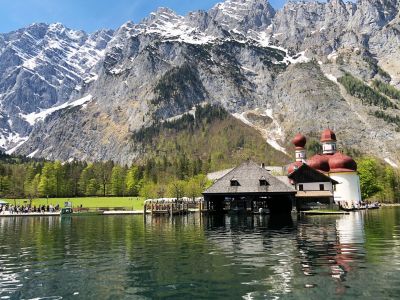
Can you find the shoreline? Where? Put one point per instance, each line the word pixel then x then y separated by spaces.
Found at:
pixel 389 204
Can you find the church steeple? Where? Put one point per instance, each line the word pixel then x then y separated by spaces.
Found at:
pixel 299 142
pixel 328 140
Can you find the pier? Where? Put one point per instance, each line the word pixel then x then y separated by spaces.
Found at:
pixel 171 206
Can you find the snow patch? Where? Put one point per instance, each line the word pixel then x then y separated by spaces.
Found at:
pixel 91 78
pixel 33 153
pixel 233 9
pixel 34 117
pixel 30 64
pixel 10 139
pixel 264 40
pixel 391 163
pixel 272 135
pixel 21 142
pixel 190 112
pixel 333 56
pixel 297 59
pixel 331 77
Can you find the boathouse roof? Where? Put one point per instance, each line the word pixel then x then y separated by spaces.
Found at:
pixel 306 174
pixel 249 178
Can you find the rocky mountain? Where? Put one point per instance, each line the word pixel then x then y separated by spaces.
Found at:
pixel 43 66
pixel 66 94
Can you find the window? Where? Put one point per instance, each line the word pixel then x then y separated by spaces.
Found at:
pixel 263 181
pixel 234 182
pixel 321 187
pixel 301 188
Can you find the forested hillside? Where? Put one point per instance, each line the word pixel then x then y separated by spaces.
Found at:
pixel 176 155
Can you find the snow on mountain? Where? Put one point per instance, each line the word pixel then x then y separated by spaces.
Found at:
pixel 171 26
pixel 240 54
pixel 43 66
pixel 34 117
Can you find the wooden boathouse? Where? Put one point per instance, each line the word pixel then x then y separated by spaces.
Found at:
pixel 248 188
pixel 314 188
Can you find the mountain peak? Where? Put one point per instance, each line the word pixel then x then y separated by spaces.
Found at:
pixel 162 14
pixel 250 14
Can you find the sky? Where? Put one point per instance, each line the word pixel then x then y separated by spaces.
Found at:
pixel 91 15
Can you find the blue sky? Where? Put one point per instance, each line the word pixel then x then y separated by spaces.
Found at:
pixel 90 15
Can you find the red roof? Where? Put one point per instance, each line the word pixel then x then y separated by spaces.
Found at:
pixel 319 162
pixel 335 163
pixel 342 163
pixel 299 141
pixel 328 135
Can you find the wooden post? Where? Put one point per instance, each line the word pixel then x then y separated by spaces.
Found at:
pixel 144 209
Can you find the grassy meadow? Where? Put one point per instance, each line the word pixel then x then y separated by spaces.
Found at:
pixel 133 203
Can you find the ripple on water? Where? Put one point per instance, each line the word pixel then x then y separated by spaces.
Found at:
pixel 229 257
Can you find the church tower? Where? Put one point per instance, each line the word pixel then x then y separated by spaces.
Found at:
pixel 299 142
pixel 328 140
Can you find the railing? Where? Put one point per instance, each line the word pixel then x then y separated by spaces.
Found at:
pixel 100 209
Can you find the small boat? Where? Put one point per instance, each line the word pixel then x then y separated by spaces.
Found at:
pixel 66 211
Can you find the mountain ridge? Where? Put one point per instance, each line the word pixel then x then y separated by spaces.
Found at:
pixel 282 65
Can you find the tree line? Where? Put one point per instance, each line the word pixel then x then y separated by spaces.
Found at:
pixel 32 179
pixel 386 89
pixel 388 118
pixel 378 181
pixel 368 95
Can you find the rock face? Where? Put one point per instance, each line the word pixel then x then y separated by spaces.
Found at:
pixel 42 66
pixel 65 94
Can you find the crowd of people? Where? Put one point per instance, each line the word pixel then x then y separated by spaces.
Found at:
pixel 26 209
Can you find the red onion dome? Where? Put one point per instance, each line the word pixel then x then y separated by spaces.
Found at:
pixel 328 135
pixel 319 162
pixel 342 163
pixel 299 141
pixel 294 166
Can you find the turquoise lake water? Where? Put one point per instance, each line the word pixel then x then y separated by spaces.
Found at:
pixel 355 256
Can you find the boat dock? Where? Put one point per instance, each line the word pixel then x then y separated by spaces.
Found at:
pixel 33 214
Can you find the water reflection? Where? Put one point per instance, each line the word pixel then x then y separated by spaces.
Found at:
pixel 230 256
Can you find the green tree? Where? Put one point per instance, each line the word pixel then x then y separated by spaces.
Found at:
pixel 118 181
pixel 86 183
pixel 367 169
pixel 148 190
pixel 132 181
pixel 32 187
pixel 4 185
pixel 60 179
pixel 196 185
pixel 48 182
pixel 176 189
pixel 103 172
pixel 92 187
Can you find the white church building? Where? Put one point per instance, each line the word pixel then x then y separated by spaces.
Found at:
pixel 339 167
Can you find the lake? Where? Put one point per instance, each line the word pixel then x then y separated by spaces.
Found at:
pixel 210 257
